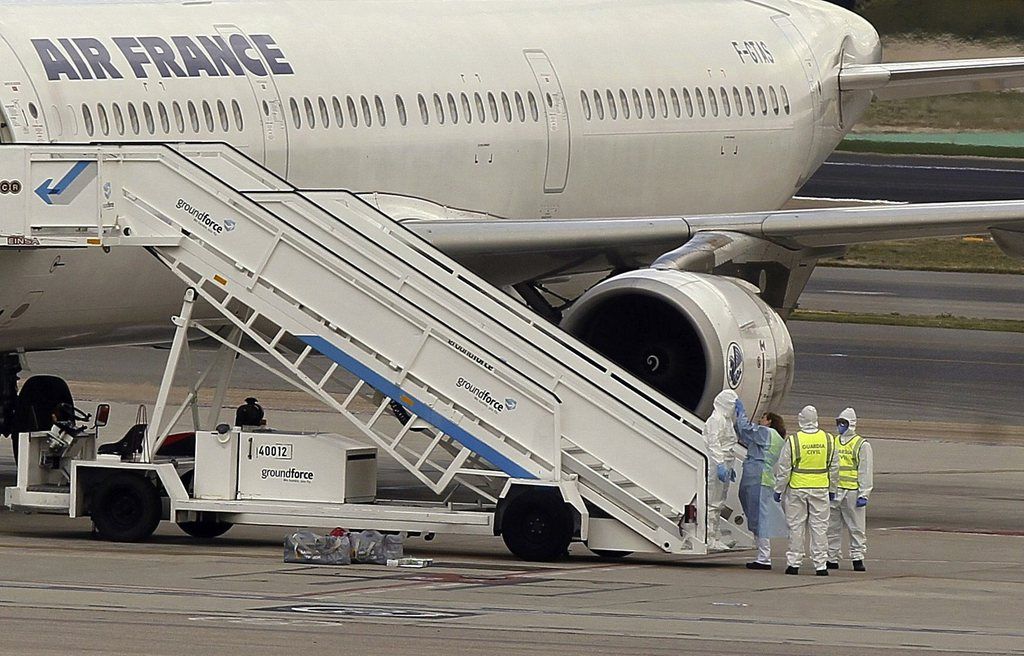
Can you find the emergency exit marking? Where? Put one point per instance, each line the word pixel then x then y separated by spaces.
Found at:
pixel 10 186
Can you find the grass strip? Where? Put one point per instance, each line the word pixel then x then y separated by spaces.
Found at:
pixel 919 148
pixel 911 320
pixel 971 254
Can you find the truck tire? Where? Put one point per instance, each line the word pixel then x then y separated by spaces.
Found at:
pixel 126 508
pixel 38 396
pixel 537 526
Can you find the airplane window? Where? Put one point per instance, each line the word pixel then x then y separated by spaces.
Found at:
pixel 222 114
pixel 296 118
pixel 750 101
pixel 208 115
pixel 613 111
pixel 101 113
pixel 701 107
pixel 676 109
pixel 382 118
pixel 307 104
pixel 598 105
pixel 439 107
pixel 624 102
pixel 236 109
pixel 193 115
pixel 118 120
pixel 650 104
pixel 179 118
pixel 367 115
pixel 520 108
pixel 585 102
pixel 505 105
pixel 785 99
pixel 33 110
pixel 165 121
pixel 400 106
pixel 424 115
pixel 481 114
pixel 637 105
pixel 467 111
pixel 493 104
pixel 339 114
pixel 90 127
pixel 712 101
pixel 738 100
pixel 775 100
pixel 726 107
pixel 662 103
pixel 133 118
pixel 532 101
pixel 353 115
pixel 453 110
pixel 325 114
pixel 147 113
pixel 762 101
pixel 266 108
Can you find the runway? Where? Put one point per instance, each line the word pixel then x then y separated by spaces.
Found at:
pixel 916 179
pixel 927 293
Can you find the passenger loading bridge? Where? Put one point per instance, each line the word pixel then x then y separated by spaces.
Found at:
pixel 495 398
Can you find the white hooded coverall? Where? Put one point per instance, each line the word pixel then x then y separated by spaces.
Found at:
pixel 807 507
pixel 844 511
pixel 720 438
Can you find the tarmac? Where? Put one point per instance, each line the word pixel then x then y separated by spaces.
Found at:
pixel 946 547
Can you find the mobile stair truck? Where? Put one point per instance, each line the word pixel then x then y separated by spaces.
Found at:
pixel 554 443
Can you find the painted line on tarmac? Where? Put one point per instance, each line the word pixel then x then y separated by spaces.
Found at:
pixel 873 201
pixel 974 169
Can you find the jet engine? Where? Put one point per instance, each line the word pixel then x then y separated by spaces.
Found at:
pixel 689 335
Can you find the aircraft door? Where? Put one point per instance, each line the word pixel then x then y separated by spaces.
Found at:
pixel 270 108
pixel 812 74
pixel 557 118
pixel 23 119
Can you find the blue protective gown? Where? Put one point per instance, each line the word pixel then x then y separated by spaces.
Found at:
pixel 765 518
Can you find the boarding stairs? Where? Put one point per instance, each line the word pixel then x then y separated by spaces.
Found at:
pixel 491 392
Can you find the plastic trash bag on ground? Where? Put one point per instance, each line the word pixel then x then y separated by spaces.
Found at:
pixel 393 547
pixel 368 547
pixel 311 548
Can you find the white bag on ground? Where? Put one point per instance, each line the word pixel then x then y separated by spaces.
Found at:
pixel 311 548
pixel 393 548
pixel 368 547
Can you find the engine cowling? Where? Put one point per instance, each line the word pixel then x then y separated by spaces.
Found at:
pixel 689 335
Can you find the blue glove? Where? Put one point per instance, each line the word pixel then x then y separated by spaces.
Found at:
pixel 723 472
pixel 862 501
pixel 831 496
pixel 740 410
pixel 778 497
pixel 732 475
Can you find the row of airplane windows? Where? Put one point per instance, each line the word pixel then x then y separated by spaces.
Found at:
pixel 439 108
pixel 698 102
pixel 158 118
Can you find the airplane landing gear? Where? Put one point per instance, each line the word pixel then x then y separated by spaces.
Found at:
pixel 10 367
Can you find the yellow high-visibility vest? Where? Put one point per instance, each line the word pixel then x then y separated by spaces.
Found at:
pixel 811 454
pixel 849 462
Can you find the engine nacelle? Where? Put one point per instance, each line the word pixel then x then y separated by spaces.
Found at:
pixel 689 335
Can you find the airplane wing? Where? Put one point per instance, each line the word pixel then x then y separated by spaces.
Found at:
pixel 507 252
pixel 933 78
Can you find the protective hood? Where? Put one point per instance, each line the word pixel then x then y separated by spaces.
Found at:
pixel 725 403
pixel 851 418
pixel 808 419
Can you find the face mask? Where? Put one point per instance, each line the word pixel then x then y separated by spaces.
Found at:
pixel 842 426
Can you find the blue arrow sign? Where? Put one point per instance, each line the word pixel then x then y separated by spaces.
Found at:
pixel 60 193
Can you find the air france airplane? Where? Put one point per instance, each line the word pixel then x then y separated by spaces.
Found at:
pixel 532 140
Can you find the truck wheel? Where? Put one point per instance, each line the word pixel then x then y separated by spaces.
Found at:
pixel 537 526
pixel 205 529
pixel 126 508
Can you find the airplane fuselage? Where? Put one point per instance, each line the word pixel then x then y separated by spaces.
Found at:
pixel 523 109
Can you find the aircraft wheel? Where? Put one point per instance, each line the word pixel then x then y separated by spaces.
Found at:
pixel 34 407
pixel 537 526
pixel 126 508
pixel 205 529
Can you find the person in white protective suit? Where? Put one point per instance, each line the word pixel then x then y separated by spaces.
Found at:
pixel 856 479
pixel 806 477
pixel 720 438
